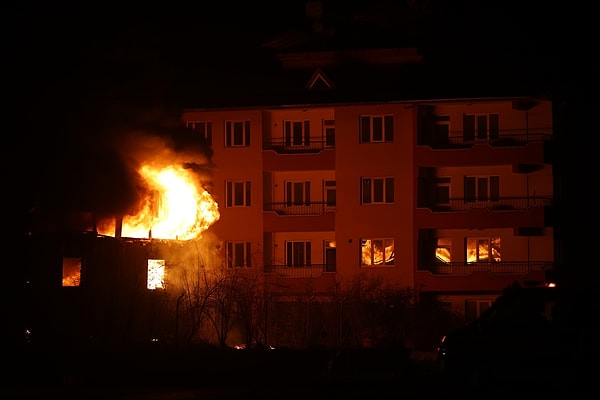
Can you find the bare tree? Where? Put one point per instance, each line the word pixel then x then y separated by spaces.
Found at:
pixel 239 306
pixel 251 303
pixel 220 310
pixel 195 285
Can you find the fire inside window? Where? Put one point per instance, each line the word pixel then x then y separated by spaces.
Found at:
pixel 377 252
pixel 443 251
pixel 156 274
pixel 483 250
pixel 71 271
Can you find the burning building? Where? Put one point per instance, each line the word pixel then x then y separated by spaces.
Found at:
pixel 98 276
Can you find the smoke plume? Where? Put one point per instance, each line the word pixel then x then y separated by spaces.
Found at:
pixel 96 171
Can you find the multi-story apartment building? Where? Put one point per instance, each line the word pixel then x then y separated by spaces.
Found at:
pixel 446 196
pixel 450 197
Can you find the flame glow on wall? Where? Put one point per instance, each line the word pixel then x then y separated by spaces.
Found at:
pixel 175 206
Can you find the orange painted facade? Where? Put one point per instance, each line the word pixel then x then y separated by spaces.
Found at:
pixel 460 192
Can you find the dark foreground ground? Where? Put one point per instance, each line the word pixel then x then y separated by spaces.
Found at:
pixel 256 374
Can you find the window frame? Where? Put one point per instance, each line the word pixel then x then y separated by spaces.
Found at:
pixel 233 256
pixel 474 308
pixel 291 137
pixel 372 257
pixel 481 188
pixel 329 133
pixel 481 127
pixel 203 128
pixel 297 193
pixel 494 245
pixel 296 251
pixel 370 196
pixel 443 190
pixel 231 135
pixel 444 243
pixel 330 193
pixel 232 193
pixel 376 128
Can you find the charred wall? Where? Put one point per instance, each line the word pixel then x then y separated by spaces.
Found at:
pixel 110 307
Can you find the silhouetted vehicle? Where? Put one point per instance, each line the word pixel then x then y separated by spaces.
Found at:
pixel 537 335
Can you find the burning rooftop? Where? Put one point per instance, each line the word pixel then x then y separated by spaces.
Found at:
pixel 174 207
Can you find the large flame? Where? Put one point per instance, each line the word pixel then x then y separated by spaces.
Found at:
pixel 178 208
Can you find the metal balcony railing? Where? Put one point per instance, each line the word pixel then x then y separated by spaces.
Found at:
pixel 451 268
pixel 313 145
pixel 504 203
pixel 312 208
pixel 497 268
pixel 505 138
pixel 302 271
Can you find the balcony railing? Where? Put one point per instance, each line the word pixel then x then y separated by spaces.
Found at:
pixel 284 208
pixel 504 203
pixel 313 145
pixel 497 268
pixel 302 271
pixel 504 139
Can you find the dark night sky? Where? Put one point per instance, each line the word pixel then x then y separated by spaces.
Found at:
pixel 88 74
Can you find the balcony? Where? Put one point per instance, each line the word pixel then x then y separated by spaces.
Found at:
pixel 299 271
pixel 495 268
pixel 504 203
pixel 312 145
pixel 313 208
pixel 519 148
pixel 458 140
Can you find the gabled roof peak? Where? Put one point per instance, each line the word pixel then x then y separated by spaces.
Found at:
pixel 319 81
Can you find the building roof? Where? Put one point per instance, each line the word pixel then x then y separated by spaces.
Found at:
pixel 385 51
pixel 370 75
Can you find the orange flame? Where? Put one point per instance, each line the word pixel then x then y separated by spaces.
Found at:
pixel 178 208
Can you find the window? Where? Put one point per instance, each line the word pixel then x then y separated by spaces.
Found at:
pixel 237 133
pixel 442 191
pixel 330 255
pixel 298 254
pixel 203 128
pixel 474 308
pixel 238 254
pixel 376 128
pixel 482 188
pixel 238 194
pixel 483 250
pixel 480 126
pixel 329 130
pixel 71 271
pixel 377 252
pixel 441 129
pixel 156 274
pixel 443 250
pixel 377 190
pixel 297 193
pixel 296 133
pixel 330 194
